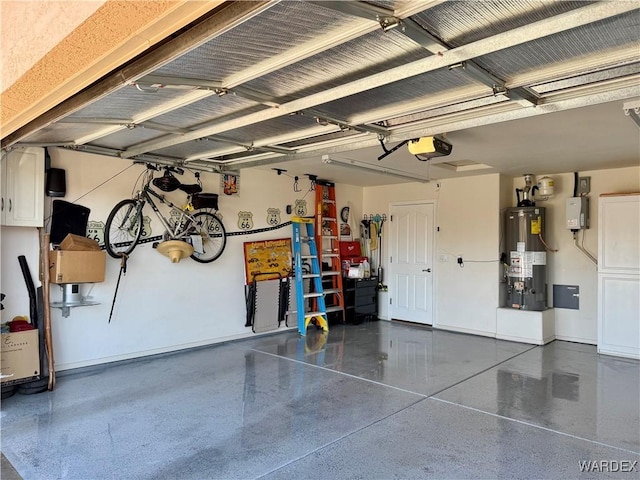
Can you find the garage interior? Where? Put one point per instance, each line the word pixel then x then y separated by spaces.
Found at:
pixel 166 380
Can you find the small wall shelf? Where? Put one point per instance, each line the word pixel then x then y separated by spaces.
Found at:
pixel 66 307
pixel 71 298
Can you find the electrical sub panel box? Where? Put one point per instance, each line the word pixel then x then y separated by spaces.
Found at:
pixel 577 213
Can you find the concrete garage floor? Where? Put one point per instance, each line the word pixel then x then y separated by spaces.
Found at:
pixel 377 400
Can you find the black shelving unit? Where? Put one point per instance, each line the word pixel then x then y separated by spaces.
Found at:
pixel 360 299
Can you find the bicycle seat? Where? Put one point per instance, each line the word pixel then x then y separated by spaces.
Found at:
pixel 190 189
pixel 167 183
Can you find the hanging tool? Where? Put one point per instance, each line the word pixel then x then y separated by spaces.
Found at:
pixel 380 219
pixel 365 235
pixel 31 289
pixel 123 271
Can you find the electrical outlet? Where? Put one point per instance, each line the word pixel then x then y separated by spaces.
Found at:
pixel 584 186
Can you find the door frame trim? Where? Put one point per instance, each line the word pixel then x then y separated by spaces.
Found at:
pixel 389 248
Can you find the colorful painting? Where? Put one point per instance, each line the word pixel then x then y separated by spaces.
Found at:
pixel 270 259
pixel 230 184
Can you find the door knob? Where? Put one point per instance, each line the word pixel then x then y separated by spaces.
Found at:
pixel 428 270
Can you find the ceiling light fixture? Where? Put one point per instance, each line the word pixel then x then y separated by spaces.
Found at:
pixel 368 167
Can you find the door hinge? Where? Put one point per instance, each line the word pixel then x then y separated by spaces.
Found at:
pixel 390 301
pixel 390 259
pixel 391 218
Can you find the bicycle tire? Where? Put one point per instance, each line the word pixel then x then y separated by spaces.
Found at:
pixel 126 220
pixel 214 236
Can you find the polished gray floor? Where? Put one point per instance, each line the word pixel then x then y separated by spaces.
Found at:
pixel 378 400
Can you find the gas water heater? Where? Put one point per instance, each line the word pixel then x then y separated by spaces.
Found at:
pixel 527 258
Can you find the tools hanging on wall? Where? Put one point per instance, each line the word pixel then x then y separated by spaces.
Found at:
pixel 371 227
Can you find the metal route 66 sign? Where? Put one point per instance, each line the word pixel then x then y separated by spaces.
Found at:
pixel 273 216
pixel 95 231
pixel 301 208
pixel 245 220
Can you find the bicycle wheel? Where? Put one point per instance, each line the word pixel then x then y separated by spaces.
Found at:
pixel 123 228
pixel 214 237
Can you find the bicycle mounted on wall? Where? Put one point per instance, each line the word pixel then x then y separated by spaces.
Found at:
pixel 202 228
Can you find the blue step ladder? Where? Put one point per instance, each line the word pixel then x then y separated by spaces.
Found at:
pixel 319 316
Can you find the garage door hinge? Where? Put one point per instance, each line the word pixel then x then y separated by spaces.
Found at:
pixel 390 301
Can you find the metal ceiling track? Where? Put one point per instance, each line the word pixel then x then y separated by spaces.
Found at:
pixel 632 110
pixel 412 29
pixel 567 21
pixel 366 167
pixel 617 89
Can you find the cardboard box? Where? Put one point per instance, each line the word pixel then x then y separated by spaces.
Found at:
pixel 78 243
pixel 67 266
pixel 19 356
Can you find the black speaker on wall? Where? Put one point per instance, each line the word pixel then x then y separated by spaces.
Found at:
pixel 56 183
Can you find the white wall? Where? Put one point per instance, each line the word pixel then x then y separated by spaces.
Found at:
pixel 160 306
pixel 569 266
pixel 16 241
pixel 163 306
pixel 467 213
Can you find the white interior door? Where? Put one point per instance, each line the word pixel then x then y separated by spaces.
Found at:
pixel 411 262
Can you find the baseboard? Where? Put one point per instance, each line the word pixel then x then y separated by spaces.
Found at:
pixel 470 331
pixel 530 341
pixel 576 340
pixel 61 367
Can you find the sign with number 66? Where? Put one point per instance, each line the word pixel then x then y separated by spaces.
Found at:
pixel 95 231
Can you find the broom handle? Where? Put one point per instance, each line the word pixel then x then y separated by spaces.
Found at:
pixel 48 338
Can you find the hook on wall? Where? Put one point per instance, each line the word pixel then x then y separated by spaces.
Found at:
pixel 312 179
pixel 296 185
pixel 375 217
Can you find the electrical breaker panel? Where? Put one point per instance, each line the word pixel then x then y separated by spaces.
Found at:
pixel 577 213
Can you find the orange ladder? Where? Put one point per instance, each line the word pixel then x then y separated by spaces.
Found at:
pixel 327 236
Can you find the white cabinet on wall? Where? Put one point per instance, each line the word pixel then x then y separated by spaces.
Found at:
pixel 22 202
pixel 619 275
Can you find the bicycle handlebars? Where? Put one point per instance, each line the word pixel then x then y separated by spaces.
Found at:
pixel 157 168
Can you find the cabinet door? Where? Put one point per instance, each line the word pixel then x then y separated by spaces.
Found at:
pixel 23 187
pixel 618 315
pixel 619 234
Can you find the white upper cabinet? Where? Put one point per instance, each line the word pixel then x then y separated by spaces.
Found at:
pixel 619 234
pixel 22 202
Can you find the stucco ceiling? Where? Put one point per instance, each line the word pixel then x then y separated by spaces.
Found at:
pixel 515 86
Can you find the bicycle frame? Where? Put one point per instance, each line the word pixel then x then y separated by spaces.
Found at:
pixel 179 230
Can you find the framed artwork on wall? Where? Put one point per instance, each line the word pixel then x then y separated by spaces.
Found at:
pixel 230 184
